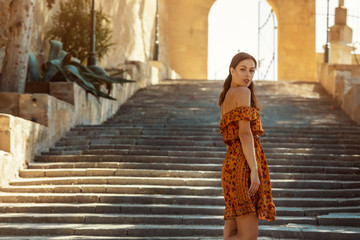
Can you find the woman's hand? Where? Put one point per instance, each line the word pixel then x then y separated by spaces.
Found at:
pixel 255 182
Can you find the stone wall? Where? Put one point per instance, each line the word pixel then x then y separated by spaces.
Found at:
pixel 132 23
pixel 188 36
pixel 296 39
pixel 343 83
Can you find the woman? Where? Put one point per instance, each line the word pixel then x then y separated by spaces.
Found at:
pixel 245 176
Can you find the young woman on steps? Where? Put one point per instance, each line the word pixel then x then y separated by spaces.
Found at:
pixel 245 176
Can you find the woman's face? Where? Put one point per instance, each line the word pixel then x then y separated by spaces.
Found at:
pixel 243 73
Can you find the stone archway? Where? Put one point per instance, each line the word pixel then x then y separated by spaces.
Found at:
pixel 187 36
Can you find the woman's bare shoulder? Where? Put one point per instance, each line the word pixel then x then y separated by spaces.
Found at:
pixel 240 96
pixel 236 97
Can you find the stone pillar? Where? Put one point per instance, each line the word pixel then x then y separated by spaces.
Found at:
pixel 340 37
pixel 296 39
pixel 188 36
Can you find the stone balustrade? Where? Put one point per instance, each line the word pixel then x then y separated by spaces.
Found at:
pixel 343 83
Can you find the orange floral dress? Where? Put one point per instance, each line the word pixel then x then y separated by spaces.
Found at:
pixel 235 175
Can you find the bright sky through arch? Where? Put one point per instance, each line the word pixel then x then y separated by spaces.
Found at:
pixel 233 26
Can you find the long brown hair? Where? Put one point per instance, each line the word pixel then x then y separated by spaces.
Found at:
pixel 241 56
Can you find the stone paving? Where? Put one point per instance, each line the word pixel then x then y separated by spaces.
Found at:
pixel 152 171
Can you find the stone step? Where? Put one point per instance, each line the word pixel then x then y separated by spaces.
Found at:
pixel 210 155
pixel 340 219
pixel 114 169
pixel 203 130
pixel 111 169
pixel 202 137
pixel 268 149
pixel 197 157
pixel 348 148
pixel 183 166
pixel 122 238
pixel 209 143
pixel 164 206
pixel 181 181
pixel 118 230
pixel 175 190
pixel 142 194
pixel 99 218
pixel 343 128
pixel 311 211
pixel 296 231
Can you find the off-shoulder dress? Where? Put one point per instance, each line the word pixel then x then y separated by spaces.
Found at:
pixel 235 176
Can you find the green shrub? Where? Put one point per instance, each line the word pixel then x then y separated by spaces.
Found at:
pixel 71 26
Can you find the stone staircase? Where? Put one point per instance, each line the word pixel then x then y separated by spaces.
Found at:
pixel 153 170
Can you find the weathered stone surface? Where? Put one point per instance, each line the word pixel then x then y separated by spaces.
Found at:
pixel 22 139
pixel 296 39
pixel 167 168
pixel 342 82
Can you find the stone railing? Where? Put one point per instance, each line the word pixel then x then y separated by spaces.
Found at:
pixel 31 123
pixel 343 83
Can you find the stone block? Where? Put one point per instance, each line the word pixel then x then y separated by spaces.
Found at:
pixel 340 16
pixel 64 91
pixel 340 53
pixel 340 33
pixel 5 134
pixel 9 103
pixel 34 107
pixel 351 102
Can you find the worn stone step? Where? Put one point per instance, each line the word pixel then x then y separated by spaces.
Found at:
pixel 151 165
pixel 113 207
pixel 122 238
pixel 119 169
pixel 76 197
pixel 217 137
pixel 147 207
pixel 316 211
pixel 108 169
pixel 171 142
pixel 174 190
pixel 267 146
pixel 199 167
pixel 268 149
pixel 322 158
pixel 197 157
pixel 202 134
pixel 98 218
pixel 181 181
pixel 119 230
pixel 340 219
pixel 205 127
pixel 292 213
pixel 295 231
pixel 303 231
pixel 7 197
pixel 209 158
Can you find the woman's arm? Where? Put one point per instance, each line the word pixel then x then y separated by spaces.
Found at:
pixel 247 140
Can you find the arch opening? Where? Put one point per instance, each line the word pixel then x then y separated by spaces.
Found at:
pixel 246 26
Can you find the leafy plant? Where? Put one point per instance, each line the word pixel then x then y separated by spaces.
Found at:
pixel 61 66
pixel 71 26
